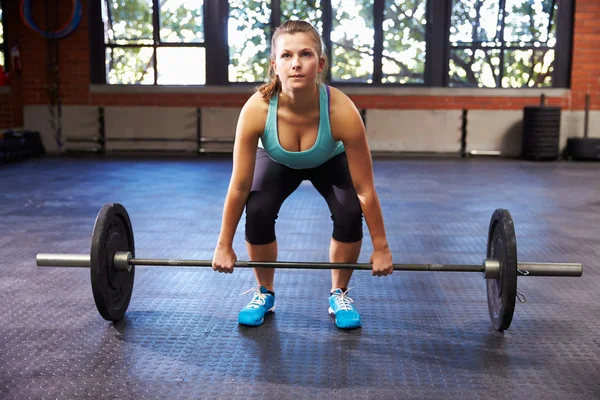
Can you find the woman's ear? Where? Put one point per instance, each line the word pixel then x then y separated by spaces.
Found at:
pixel 321 64
pixel 274 66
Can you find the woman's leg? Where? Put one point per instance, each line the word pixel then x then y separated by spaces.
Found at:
pixel 263 252
pixel 334 182
pixel 272 184
pixel 344 253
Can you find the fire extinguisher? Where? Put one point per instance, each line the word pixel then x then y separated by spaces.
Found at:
pixel 15 58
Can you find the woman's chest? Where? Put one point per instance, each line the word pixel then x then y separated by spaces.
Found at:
pixel 297 132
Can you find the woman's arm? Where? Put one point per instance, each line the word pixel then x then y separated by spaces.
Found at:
pixel 249 127
pixel 348 127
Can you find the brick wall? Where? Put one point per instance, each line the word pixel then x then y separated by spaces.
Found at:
pixel 30 87
pixel 11 105
pixel 5 110
pixel 585 73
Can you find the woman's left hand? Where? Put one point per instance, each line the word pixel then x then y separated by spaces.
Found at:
pixel 382 262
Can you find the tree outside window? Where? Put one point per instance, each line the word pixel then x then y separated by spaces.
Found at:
pixel 147 48
pixel 502 43
pixel 352 38
pixel 490 43
pixel 1 38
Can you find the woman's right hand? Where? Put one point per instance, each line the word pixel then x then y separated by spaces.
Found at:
pixel 224 259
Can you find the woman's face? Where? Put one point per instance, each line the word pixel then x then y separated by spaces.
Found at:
pixel 297 62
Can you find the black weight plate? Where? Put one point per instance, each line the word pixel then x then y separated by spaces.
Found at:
pixel 583 148
pixel 112 289
pixel 502 292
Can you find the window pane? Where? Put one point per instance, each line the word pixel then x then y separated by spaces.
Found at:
pixel 352 40
pixel 404 24
pixel 530 21
pixel 127 21
pixel 130 65
pixel 474 67
pixel 249 35
pixel 182 21
pixel 474 21
pixel 181 65
pixel 528 68
pixel 305 10
pixel 1 39
pixel 1 29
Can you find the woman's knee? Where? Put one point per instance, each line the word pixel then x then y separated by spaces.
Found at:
pixel 347 223
pixel 261 213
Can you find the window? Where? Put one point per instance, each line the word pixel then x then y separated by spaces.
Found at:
pixel 456 43
pixel 1 38
pixel 303 10
pixel 352 41
pixel 509 43
pixel 404 41
pixel 250 31
pixel 249 38
pixel 349 28
pixel 152 42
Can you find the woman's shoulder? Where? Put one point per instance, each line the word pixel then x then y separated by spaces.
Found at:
pixel 338 99
pixel 339 102
pixel 256 107
pixel 254 113
pixel 257 102
pixel 343 114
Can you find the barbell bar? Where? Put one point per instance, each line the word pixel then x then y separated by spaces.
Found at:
pixel 123 261
pixel 112 265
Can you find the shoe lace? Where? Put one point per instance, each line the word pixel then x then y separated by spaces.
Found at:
pixel 343 301
pixel 259 298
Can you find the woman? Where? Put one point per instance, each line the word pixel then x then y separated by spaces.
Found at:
pixel 295 128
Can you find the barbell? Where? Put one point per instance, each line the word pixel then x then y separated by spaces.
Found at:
pixel 112 265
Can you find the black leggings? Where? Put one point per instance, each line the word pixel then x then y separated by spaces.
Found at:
pixel 274 182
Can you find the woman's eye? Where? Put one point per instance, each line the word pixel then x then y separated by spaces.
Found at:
pixel 306 53
pixel 285 56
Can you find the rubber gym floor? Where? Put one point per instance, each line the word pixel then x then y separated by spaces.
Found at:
pixel 425 335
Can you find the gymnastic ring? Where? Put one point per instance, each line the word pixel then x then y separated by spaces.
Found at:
pixel 60 33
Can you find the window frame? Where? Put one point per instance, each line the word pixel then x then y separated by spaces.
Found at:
pixel 437 58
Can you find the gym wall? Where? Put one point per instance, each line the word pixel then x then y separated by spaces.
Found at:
pixel 402 119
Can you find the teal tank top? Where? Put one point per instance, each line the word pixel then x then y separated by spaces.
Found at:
pixel 323 149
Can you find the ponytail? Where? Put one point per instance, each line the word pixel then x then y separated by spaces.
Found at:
pixel 267 90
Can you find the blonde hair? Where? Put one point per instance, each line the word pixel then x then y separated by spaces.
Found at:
pixel 268 89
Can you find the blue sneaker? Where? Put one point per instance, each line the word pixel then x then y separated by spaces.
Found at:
pixel 262 303
pixel 340 305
